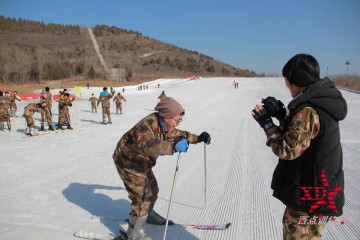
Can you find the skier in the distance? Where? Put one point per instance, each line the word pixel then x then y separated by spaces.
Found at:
pixel 136 154
pixel 118 102
pixel 29 111
pixel 4 112
pixel 93 101
pixel 105 104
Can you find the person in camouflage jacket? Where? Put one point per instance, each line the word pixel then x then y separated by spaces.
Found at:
pixel 64 115
pixel 13 107
pixel 118 102
pixel 307 143
pixel 93 101
pixel 29 111
pixel 44 100
pixel 49 100
pixel 104 99
pixel 4 111
pixel 136 154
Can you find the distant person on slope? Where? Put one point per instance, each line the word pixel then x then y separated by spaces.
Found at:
pixel 4 112
pixel 44 101
pixel 93 101
pixel 307 143
pixel 49 100
pixel 64 115
pixel 105 104
pixel 29 111
pixel 136 154
pixel 13 107
pixel 118 102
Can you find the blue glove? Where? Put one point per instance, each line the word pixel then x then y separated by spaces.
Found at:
pixel 181 145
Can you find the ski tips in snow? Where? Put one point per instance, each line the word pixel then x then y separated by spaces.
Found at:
pixel 210 227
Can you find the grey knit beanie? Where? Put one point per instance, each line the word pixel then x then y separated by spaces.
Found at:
pixel 168 108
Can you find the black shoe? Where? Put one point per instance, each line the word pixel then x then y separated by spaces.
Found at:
pixel 69 127
pixel 155 219
pixel 51 128
pixel 109 122
pixel 42 128
pixel 60 127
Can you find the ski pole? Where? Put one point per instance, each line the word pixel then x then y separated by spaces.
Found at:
pixel 172 190
pixel 205 173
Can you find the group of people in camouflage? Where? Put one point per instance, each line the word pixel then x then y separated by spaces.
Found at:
pixel 8 109
pixel 104 99
pixel 44 107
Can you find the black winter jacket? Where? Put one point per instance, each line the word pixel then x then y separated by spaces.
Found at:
pixel 314 182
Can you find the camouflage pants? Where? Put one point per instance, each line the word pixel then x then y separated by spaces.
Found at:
pixel 142 191
pixel 4 115
pixel 106 112
pixel 119 108
pixel 93 107
pixel 46 115
pixel 64 117
pixel 292 230
pixel 13 108
pixel 30 121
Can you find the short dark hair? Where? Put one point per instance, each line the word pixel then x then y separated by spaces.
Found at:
pixel 47 88
pixel 303 65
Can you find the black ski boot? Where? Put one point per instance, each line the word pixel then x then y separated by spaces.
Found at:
pixel 60 127
pixel 154 218
pixel 51 128
pixel 69 127
pixel 42 128
pixel 9 125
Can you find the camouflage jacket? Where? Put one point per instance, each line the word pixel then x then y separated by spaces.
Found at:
pixel 64 103
pixel 139 148
pixel 49 97
pixel 93 100
pixel 290 143
pixel 31 108
pixel 118 99
pixel 105 100
pixel 13 98
pixel 4 104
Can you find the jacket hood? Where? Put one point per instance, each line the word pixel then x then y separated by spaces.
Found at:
pixel 323 95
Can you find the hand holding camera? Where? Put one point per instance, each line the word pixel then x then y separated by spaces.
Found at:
pixel 274 107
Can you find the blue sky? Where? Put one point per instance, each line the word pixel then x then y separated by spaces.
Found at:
pixel 259 35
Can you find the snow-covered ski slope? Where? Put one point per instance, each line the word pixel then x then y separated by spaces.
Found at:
pixel 65 181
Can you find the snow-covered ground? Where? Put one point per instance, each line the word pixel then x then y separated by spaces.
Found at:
pixel 65 181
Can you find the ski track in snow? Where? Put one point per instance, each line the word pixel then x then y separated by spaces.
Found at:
pixel 65 181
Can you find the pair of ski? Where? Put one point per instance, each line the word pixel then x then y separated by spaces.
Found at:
pixel 123 235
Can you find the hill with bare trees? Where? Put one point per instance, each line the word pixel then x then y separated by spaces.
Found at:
pixel 33 51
